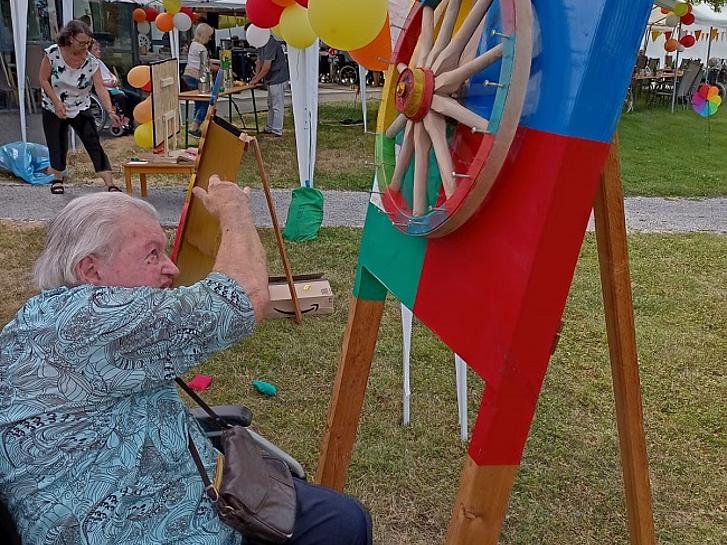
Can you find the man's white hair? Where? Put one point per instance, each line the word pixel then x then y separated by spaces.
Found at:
pixel 88 225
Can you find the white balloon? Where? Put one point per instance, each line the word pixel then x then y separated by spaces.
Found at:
pixel 182 21
pixel 672 20
pixel 144 27
pixel 256 36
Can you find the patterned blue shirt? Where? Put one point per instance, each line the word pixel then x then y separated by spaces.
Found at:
pixel 93 434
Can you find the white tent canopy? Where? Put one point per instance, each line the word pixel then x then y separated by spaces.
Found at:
pixel 706 19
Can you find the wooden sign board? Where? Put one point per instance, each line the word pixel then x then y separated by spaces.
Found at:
pixel 198 236
pixel 165 101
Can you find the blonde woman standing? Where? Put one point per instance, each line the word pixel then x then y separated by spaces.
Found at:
pixel 202 35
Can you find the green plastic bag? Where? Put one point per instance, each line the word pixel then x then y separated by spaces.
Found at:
pixel 305 215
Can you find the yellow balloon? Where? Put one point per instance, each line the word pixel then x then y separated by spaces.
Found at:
pixel 295 27
pixel 142 111
pixel 139 76
pixel 172 6
pixel 347 25
pixel 680 9
pixel 275 31
pixel 144 135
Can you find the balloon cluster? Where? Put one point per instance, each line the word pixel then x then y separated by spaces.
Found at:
pixel 358 26
pixel 174 16
pixel 680 13
pixel 139 77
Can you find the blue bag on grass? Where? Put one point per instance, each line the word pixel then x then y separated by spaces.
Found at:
pixel 27 161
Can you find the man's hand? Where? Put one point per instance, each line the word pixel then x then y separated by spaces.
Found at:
pixel 221 198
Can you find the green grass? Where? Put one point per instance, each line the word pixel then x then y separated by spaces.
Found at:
pixel 673 155
pixel 344 158
pixel 568 490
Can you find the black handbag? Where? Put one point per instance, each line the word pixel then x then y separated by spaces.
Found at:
pixel 252 490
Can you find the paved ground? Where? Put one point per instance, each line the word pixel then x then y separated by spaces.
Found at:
pixel 348 209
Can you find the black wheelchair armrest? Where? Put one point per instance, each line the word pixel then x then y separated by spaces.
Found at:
pixel 237 415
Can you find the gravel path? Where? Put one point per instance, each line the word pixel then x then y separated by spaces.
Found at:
pixel 348 208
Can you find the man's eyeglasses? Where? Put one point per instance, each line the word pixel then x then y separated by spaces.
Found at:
pixel 87 43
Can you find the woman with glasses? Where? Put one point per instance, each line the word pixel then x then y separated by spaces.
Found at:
pixel 68 73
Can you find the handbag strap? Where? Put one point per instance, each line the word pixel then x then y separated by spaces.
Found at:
pixel 212 492
pixel 191 393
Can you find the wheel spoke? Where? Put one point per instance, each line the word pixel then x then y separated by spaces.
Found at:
pixel 446 30
pixel 449 82
pixel 437 128
pixel 395 128
pixel 405 153
pixel 426 37
pixel 449 58
pixel 422 145
pixel 451 108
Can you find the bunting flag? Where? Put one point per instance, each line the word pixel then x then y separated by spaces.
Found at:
pixel 713 33
pixel 667 35
pixel 698 34
pixel 655 35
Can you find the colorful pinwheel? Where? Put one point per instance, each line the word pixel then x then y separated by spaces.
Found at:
pixel 706 100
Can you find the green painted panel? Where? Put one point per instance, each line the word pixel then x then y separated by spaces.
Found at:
pixel 391 257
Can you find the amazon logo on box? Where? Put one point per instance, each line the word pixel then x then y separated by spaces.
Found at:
pixel 314 296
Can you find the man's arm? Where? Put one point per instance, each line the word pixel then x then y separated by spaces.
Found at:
pixel 241 255
pixel 261 72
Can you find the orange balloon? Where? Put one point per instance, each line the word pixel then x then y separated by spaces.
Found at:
pixel 284 3
pixel 139 76
pixel 671 45
pixel 377 54
pixel 142 111
pixel 164 22
pixel 139 15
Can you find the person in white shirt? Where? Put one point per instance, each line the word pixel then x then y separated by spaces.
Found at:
pixel 202 35
pixel 68 73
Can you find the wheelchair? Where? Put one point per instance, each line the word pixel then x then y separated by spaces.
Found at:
pixel 232 414
pixel 101 118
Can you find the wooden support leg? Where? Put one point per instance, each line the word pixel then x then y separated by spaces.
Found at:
pixel 618 307
pixel 352 377
pixel 142 179
pixel 127 179
pixel 481 503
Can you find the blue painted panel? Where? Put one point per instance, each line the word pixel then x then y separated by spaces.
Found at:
pixel 582 65
pixel 583 58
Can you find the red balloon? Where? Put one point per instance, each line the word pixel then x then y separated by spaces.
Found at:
pixel 263 13
pixel 147 87
pixel 187 10
pixel 688 19
pixel 688 41
pixel 151 14
pixel 303 3
pixel 665 11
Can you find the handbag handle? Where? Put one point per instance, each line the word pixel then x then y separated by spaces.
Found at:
pixel 215 417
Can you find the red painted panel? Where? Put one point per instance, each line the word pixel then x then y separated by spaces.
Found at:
pixel 495 289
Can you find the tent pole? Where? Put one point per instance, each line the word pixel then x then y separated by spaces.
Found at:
pixel 676 68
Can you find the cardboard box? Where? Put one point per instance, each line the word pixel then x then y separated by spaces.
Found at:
pixel 314 296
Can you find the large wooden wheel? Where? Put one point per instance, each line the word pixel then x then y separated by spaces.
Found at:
pixel 463 68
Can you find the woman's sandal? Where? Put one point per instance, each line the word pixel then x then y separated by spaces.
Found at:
pixel 57 187
pixel 113 188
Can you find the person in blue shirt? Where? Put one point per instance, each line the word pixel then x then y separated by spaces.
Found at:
pixel 93 434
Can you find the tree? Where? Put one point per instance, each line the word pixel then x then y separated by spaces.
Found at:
pixel 716 4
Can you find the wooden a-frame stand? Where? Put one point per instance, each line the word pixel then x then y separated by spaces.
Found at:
pixel 484 491
pixel 221 149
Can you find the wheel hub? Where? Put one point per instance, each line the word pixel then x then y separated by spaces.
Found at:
pixel 414 92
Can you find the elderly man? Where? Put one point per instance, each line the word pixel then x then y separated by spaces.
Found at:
pixel 93 434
